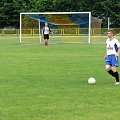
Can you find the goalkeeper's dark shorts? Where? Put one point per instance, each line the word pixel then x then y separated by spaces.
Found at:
pixel 46 36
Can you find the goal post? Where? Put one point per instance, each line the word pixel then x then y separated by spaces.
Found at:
pixel 67 27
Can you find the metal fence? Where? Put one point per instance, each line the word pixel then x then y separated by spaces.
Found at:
pixel 75 31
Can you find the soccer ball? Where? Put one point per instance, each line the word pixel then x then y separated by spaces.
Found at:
pixel 91 80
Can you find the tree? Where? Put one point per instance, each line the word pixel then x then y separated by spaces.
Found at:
pixel 67 5
pixel 10 9
pixel 45 6
pixel 6 13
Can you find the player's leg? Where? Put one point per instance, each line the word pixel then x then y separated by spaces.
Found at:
pixel 44 38
pixel 47 37
pixel 114 68
pixel 107 67
pixel 116 75
pixel 46 42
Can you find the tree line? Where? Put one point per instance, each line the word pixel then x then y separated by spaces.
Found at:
pixel 10 9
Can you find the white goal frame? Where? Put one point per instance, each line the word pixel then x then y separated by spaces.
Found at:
pixel 33 13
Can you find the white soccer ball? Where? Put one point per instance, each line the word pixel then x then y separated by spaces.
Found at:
pixel 91 80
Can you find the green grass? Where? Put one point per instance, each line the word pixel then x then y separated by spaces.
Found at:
pixel 40 82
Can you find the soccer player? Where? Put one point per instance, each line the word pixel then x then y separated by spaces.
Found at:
pixel 46 31
pixel 111 56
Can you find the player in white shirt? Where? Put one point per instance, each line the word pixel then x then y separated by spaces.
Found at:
pixel 46 31
pixel 111 56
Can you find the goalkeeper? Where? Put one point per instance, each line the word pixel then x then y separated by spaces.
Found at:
pixel 46 32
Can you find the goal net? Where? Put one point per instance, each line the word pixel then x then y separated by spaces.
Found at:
pixel 66 27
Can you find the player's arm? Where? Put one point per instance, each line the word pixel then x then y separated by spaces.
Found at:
pixel 118 53
pixel 118 45
pixel 50 30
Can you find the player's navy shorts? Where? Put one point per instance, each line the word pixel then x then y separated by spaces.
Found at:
pixel 112 60
pixel 46 36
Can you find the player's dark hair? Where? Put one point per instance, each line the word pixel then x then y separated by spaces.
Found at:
pixel 111 30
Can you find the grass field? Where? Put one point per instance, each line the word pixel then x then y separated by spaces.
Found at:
pixel 40 82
